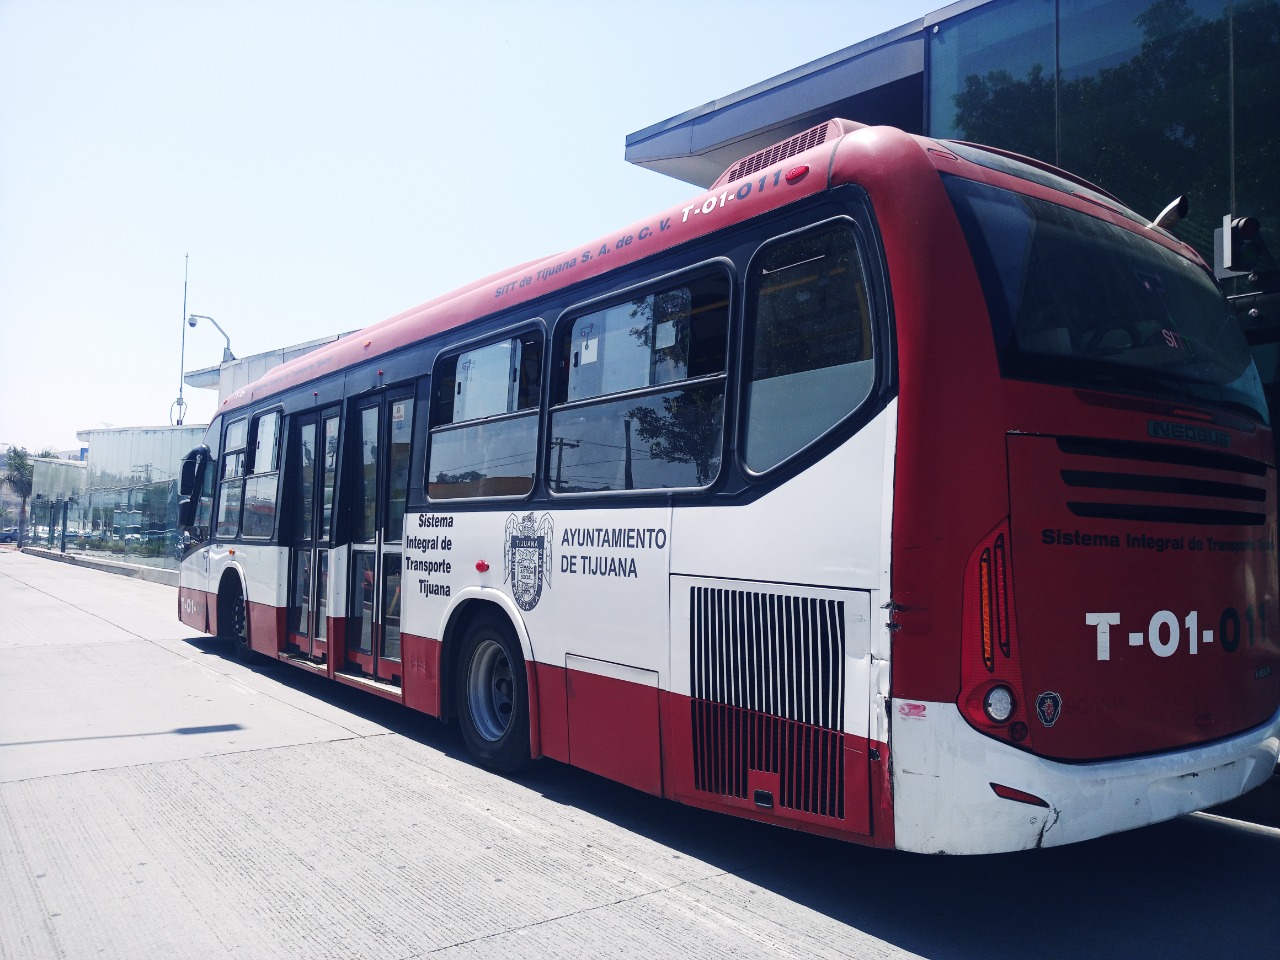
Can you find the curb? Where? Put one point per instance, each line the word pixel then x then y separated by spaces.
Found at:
pixel 139 572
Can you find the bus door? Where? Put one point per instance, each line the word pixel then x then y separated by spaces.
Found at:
pixel 314 465
pixel 381 431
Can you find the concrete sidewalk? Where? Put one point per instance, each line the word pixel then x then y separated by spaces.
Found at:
pixel 122 568
pixel 158 800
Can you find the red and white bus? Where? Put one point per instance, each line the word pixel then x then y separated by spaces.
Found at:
pixel 897 490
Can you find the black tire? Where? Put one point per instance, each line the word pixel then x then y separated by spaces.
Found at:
pixel 492 695
pixel 233 626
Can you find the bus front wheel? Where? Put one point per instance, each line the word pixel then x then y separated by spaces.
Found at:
pixel 233 625
pixel 492 695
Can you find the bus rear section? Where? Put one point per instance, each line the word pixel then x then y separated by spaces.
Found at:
pixel 1084 547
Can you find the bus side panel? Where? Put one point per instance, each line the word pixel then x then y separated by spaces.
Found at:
pixel 266 576
pixel 771 701
pixel 613 722
pixel 266 628
pixel 759 793
pixel 553 711
pixel 590 583
pixel 949 479
pixel 193 606
pixel 421 673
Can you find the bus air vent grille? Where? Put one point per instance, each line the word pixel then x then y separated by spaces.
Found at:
pixel 767 685
pixel 775 154
pixel 1162 484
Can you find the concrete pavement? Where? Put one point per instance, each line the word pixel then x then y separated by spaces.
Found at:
pixel 158 800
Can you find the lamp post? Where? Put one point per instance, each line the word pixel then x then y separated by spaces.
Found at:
pixel 227 355
pixel 180 406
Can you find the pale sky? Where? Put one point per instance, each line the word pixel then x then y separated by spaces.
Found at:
pixel 325 163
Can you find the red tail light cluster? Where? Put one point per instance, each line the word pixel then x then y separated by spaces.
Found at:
pixel 991 676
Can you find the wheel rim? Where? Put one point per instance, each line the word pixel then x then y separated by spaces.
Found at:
pixel 239 633
pixel 490 690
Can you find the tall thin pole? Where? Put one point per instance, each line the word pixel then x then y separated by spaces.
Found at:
pixel 182 362
pixel 1231 106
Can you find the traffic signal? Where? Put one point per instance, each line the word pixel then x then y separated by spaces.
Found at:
pixel 1238 248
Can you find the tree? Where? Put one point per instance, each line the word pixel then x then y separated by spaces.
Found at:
pixel 18 477
pixel 687 431
pixel 1154 125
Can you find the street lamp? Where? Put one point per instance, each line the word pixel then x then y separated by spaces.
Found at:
pixel 227 355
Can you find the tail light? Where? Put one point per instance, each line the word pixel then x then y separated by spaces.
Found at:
pixel 991 676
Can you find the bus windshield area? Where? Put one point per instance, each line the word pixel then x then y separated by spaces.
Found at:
pixel 1078 301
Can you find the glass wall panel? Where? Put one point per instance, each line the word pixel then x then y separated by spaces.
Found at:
pixel 1142 104
pixel 992 77
pixel 122 500
pixel 1256 40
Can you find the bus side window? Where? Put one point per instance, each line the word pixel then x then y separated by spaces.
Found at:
pixel 231 479
pixel 484 420
pixel 808 342
pixel 263 484
pixel 640 399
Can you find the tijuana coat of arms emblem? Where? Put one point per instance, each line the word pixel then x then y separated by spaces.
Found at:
pixel 528 557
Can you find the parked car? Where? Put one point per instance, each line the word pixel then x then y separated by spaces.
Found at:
pixel 9 536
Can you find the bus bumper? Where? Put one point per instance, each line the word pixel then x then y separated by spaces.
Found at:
pixel 944 774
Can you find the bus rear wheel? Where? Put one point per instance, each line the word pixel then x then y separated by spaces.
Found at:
pixel 493 696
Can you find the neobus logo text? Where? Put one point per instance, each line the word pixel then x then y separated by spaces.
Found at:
pixel 1185 431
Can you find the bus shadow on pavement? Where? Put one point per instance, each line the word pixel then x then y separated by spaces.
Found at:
pixel 386 713
pixel 1201 887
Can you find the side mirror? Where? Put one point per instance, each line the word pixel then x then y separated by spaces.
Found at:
pixel 193 467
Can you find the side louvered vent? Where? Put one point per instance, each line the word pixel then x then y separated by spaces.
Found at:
pixel 767 691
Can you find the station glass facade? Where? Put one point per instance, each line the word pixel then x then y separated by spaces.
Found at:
pixel 1150 99
pixel 126 502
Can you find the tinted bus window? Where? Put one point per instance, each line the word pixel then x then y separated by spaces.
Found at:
pixel 809 345
pixel 1078 301
pixel 262 486
pixel 641 396
pixel 231 485
pixel 484 435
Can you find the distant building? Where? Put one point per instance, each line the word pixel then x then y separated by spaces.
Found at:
pixel 122 499
pixel 231 375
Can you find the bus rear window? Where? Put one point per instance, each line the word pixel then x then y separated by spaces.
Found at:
pixel 1078 301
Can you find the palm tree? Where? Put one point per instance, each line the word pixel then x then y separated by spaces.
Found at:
pixel 18 477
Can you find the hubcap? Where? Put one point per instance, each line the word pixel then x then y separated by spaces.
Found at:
pixel 490 690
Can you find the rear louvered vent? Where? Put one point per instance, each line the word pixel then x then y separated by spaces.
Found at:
pixel 1205 492
pixel 775 154
pixel 768 697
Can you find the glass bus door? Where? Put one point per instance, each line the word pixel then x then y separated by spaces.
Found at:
pixel 313 459
pixel 382 429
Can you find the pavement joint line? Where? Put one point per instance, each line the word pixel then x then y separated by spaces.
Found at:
pixel 569 915
pixel 181 654
pixel 51 596
pixel 210 756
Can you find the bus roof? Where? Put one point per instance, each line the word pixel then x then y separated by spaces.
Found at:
pixel 790 170
pixel 779 183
